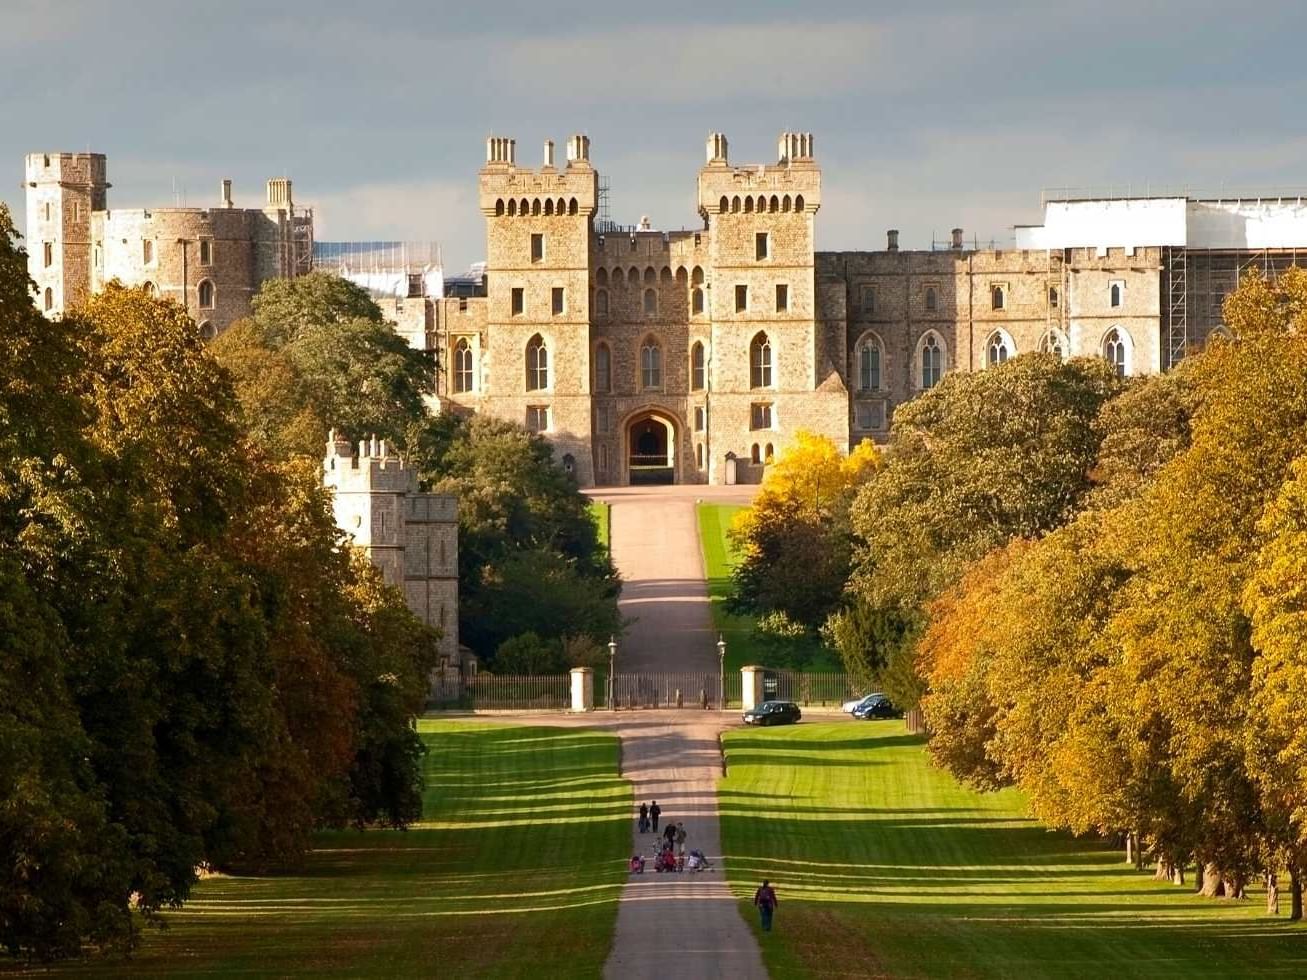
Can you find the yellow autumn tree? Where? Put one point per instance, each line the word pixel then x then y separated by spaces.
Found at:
pixel 794 540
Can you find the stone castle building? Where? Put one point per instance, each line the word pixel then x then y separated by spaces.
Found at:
pixel 210 260
pixel 694 356
pixel 411 537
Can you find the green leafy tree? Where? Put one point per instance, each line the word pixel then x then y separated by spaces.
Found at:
pixel 285 307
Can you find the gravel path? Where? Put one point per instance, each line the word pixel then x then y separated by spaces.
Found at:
pixel 683 926
pixel 673 926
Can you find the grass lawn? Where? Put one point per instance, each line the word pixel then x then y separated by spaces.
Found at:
pixel 885 866
pixel 602 514
pixel 495 882
pixel 742 646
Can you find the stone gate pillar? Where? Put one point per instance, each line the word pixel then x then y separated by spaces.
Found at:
pixel 583 689
pixel 751 686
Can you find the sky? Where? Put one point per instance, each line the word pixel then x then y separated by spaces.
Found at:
pixel 925 116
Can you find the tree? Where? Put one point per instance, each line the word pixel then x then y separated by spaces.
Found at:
pixel 794 540
pixel 529 554
pixel 285 307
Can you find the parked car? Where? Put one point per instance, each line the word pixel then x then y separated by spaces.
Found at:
pixel 876 706
pixel 848 707
pixel 773 713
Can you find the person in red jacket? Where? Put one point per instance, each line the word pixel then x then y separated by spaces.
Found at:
pixel 765 899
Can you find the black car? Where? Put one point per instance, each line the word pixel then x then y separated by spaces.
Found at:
pixel 773 713
pixel 876 706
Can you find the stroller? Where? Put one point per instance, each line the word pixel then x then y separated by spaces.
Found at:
pixel 698 862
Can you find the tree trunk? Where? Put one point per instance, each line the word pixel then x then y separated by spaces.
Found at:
pixel 1234 885
pixel 1212 886
pixel 1165 870
pixel 1295 895
pixel 1177 876
pixel 1272 894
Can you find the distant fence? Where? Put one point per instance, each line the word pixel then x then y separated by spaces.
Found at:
pixel 633 691
pixel 525 693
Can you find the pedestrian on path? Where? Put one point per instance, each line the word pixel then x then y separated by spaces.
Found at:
pixel 669 834
pixel 680 838
pixel 765 899
pixel 644 818
pixel 654 812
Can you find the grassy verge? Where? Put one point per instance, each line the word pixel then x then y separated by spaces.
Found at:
pixel 743 646
pixel 602 515
pixel 885 866
pixel 514 872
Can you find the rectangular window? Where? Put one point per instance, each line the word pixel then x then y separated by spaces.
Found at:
pixel 147 251
pixel 1116 293
pixel 537 248
pixel 415 285
pixel 1052 296
pixel 206 254
pixel 537 418
pixel 870 415
pixel 761 245
pixel 741 298
pixel 603 419
pixel 47 210
pixel 99 255
pixel 462 304
pixel 698 419
pixel 782 297
pixel 519 301
pixel 557 301
pixel 48 252
pixel 868 299
pixel 603 459
pixel 760 415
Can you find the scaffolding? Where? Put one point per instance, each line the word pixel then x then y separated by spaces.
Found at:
pixel 1177 316
pixel 385 269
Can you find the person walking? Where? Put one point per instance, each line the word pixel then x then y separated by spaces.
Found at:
pixel 680 838
pixel 765 899
pixel 644 817
pixel 654 812
pixel 669 835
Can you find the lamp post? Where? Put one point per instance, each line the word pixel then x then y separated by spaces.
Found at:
pixel 721 671
pixel 612 683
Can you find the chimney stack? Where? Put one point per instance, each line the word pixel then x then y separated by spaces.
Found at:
pixel 279 193
pixel 957 239
pixel 226 192
pixel 578 148
pixel 501 149
pixel 549 154
pixel 892 240
pixel 717 149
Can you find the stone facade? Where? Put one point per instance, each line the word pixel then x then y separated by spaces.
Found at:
pixel 211 260
pixel 411 537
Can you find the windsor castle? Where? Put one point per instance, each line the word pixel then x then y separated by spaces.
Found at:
pixel 695 356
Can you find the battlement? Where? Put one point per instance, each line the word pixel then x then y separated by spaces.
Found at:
pixel 68 168
pixel 375 468
pixel 509 190
pixel 791 184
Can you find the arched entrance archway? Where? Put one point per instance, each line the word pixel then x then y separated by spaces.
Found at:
pixel 650 449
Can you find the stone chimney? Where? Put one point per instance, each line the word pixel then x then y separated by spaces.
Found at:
pixel 501 149
pixel 549 155
pixel 279 193
pixel 892 240
pixel 578 148
pixel 957 239
pixel 794 146
pixel 717 149
pixel 226 192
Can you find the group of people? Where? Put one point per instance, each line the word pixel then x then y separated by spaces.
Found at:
pixel 670 854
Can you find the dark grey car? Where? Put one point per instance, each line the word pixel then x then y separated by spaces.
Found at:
pixel 773 713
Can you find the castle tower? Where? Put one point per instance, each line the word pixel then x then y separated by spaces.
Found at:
pixel 411 537
pixel 538 228
pixel 63 189
pixel 763 296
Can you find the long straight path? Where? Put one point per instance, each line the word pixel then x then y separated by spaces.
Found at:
pixel 684 925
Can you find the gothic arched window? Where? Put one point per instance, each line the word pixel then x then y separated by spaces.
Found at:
pixel 869 364
pixel 462 366
pixel 1116 350
pixel 930 356
pixel 603 369
pixel 651 365
pixel 760 362
pixel 998 350
pixel 206 294
pixel 698 369
pixel 537 364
